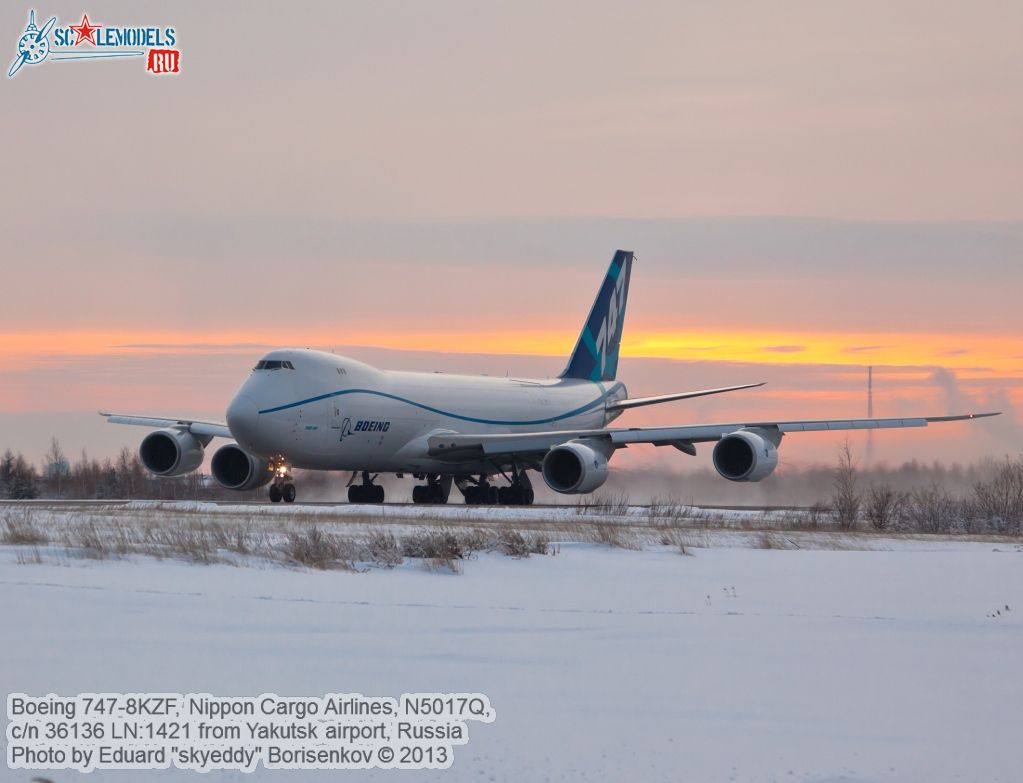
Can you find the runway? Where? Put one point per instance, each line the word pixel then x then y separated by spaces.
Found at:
pixel 120 502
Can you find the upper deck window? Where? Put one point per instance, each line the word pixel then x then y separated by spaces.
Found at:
pixel 273 364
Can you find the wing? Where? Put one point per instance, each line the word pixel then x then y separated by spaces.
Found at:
pixel 636 402
pixel 457 447
pixel 209 428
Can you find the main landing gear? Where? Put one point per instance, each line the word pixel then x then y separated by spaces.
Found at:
pixel 436 490
pixel 482 493
pixel 366 492
pixel 282 487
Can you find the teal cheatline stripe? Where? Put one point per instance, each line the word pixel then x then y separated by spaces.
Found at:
pixel 583 409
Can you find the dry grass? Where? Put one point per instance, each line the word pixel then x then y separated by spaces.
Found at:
pixel 245 536
pixel 308 542
pixel 611 534
pixel 30 556
pixel 315 549
pixel 19 530
pixel 517 544
pixel 675 536
pixel 608 504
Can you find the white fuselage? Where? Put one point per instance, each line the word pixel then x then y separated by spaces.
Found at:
pixel 330 412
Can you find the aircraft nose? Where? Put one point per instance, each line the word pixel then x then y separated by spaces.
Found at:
pixel 242 414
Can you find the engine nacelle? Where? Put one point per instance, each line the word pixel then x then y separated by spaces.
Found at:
pixel 234 468
pixel 745 455
pixel 574 468
pixel 171 452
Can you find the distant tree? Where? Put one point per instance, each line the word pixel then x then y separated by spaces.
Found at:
pixel 6 471
pixel 845 492
pixel 23 481
pixel 131 475
pixel 56 469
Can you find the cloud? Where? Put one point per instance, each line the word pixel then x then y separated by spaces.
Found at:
pixel 1006 431
pixel 953 352
pixel 195 346
pixel 784 348
pixel 864 348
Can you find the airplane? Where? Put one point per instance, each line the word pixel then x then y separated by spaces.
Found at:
pixel 313 410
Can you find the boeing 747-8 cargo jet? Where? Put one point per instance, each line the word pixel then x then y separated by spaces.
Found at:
pixel 318 411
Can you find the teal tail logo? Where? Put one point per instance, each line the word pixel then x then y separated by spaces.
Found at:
pixel 595 357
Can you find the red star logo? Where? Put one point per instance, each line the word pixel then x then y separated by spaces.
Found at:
pixel 86 32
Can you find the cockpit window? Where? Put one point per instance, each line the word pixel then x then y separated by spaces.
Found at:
pixel 273 364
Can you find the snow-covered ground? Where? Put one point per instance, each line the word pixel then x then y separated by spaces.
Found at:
pixel 603 664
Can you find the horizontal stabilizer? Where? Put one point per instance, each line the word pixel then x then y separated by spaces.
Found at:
pixel 636 402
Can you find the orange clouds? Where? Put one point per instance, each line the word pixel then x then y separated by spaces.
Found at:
pixel 969 355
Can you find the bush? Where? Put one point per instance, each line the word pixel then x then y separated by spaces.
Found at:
pixel 999 500
pixel 932 509
pixel 884 506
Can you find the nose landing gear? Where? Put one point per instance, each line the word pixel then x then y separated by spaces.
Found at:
pixel 282 487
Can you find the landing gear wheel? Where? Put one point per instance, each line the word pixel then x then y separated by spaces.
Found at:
pixel 365 493
pixel 435 491
pixel 275 494
pixel 527 496
pixel 518 493
pixel 480 495
pixel 523 489
pixel 288 493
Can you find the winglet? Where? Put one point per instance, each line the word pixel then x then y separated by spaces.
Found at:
pixel 963 416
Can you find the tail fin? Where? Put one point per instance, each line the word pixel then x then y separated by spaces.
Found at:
pixel 595 357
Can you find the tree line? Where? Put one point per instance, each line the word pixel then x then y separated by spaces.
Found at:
pixel 90 478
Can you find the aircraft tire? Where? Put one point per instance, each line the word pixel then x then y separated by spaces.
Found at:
pixel 288 493
pixel 275 493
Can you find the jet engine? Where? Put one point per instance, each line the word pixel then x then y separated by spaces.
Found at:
pixel 234 468
pixel 171 452
pixel 745 455
pixel 574 468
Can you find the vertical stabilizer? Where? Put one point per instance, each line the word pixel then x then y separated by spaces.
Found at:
pixel 595 357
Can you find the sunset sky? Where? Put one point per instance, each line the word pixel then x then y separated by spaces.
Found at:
pixel 810 188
